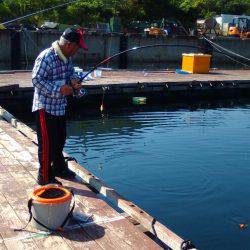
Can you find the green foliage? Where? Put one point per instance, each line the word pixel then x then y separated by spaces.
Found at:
pixel 85 12
pixel 207 8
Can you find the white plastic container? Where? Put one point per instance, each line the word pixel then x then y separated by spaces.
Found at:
pixel 98 73
pixel 51 212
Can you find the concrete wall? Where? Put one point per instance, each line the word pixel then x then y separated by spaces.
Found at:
pixel 32 43
pixel 159 55
pixel 100 46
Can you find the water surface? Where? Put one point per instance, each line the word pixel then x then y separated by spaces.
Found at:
pixel 189 169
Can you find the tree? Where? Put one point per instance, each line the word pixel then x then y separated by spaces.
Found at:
pixel 85 12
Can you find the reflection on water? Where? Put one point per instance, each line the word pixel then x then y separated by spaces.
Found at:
pixel 189 169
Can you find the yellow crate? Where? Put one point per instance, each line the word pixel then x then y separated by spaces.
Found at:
pixel 196 63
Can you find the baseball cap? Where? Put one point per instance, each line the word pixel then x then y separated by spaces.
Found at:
pixel 74 36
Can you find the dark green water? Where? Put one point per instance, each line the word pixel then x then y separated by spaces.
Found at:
pixel 189 169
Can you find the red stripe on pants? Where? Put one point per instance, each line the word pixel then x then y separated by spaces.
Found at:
pixel 45 146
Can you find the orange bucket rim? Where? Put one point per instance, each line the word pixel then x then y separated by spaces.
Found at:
pixel 36 198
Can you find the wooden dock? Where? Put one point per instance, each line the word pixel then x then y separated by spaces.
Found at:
pixel 22 79
pixel 107 228
pixel 119 86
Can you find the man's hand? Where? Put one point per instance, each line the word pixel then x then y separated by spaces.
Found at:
pixel 75 84
pixel 66 90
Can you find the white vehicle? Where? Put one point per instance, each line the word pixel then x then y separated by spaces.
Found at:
pixel 224 20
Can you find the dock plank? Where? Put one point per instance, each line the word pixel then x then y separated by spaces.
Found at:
pixel 78 239
pixel 17 180
pixel 17 185
pixel 16 192
pixel 23 79
pixel 123 229
pixel 10 220
pixel 73 239
pixel 54 241
pixel 131 76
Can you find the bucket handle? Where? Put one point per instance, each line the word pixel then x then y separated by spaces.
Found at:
pixel 30 203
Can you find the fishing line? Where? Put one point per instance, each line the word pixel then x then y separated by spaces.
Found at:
pixel 106 60
pixel 102 103
pixel 38 12
pixel 104 88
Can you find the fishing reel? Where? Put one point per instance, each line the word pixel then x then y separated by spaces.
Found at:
pixel 78 93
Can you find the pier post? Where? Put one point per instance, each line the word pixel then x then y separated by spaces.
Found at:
pixel 15 41
pixel 123 58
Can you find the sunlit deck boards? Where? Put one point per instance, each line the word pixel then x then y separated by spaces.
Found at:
pixel 18 169
pixel 23 79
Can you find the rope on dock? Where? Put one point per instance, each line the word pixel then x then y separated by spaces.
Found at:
pixel 30 235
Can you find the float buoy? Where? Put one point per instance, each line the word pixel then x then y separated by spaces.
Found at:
pixel 139 100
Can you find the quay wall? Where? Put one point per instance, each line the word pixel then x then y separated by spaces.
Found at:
pixel 159 55
pixel 18 50
pixel 32 43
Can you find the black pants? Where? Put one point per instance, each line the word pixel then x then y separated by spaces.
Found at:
pixel 51 136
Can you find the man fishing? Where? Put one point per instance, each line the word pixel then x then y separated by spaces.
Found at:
pixel 53 80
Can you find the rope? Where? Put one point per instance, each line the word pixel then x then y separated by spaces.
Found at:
pixel 110 44
pixel 25 50
pixel 219 49
pixel 30 38
pixel 153 227
pixel 229 51
pixel 233 59
pixel 187 245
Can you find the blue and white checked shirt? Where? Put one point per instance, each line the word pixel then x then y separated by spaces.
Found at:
pixel 48 75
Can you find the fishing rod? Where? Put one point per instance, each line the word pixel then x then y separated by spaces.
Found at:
pixel 37 12
pixel 109 58
pixel 82 91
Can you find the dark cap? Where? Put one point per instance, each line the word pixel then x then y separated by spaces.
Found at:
pixel 74 36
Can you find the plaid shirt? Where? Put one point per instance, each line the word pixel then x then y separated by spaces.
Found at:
pixel 48 75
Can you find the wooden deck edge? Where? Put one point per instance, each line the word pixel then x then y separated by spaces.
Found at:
pixel 14 71
pixel 26 130
pixel 164 234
